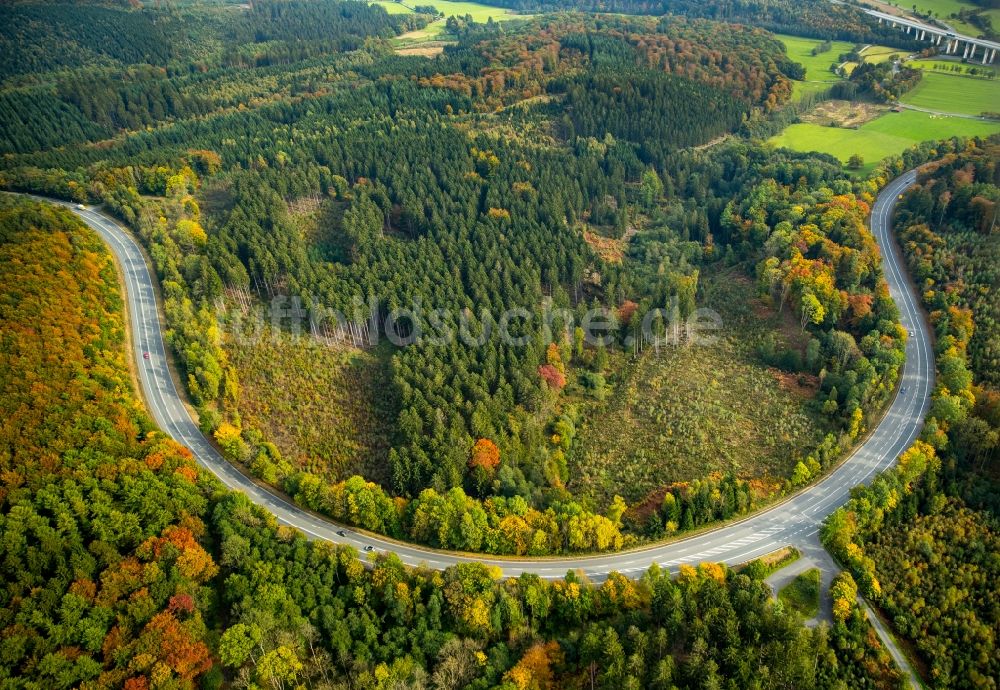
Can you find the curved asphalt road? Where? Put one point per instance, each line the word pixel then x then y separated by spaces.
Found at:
pixel 795 521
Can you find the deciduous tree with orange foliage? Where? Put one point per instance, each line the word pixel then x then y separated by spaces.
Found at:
pixel 485 455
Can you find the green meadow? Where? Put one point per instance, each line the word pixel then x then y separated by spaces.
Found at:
pixel 943 9
pixel 955 93
pixel 479 12
pixel 949 67
pixel 817 66
pixel 940 8
pixel 393 7
pixel 890 134
pixel 819 76
pixel 878 54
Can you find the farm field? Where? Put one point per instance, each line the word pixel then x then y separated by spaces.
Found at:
pixel 817 66
pixel 890 134
pixel 393 7
pixel 955 93
pixel 879 54
pixel 940 8
pixel 949 67
pixel 801 89
pixel 689 411
pixel 943 9
pixel 435 30
pixel 479 11
pixel 819 77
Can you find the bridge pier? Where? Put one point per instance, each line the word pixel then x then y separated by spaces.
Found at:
pixel 948 43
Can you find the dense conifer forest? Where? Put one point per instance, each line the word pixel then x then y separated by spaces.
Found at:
pixel 44 37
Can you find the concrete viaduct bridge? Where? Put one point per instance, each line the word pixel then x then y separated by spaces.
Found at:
pixel 972 48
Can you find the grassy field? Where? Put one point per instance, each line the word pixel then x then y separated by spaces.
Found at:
pixel 955 94
pixel 817 66
pixel 879 54
pixel 893 132
pixel 890 134
pixel 943 9
pixel 948 66
pixel 393 7
pixel 801 89
pixel 479 12
pixel 819 77
pixel 689 411
pixel 435 30
pixel 940 8
pixel 802 593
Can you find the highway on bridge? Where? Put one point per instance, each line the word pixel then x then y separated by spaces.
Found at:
pixel 796 520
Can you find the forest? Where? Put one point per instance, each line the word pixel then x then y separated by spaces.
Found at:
pixel 601 104
pixel 810 18
pixel 283 164
pixel 39 38
pixel 85 72
pixel 503 176
pixel 103 519
pixel 947 227
pixel 124 565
